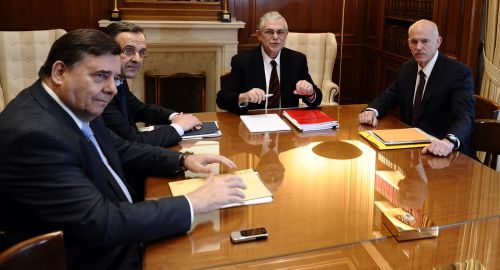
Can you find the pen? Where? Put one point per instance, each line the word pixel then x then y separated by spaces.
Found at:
pixel 268 95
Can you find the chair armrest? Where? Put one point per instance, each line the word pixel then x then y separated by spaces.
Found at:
pixel 2 103
pixel 330 90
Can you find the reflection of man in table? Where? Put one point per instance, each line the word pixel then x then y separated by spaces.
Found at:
pixel 270 168
pixel 266 147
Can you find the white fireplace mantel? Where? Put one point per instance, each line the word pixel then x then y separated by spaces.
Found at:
pixel 190 47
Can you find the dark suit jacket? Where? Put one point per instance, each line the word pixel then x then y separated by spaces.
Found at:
pixel 51 178
pixel 140 112
pixel 447 104
pixel 247 72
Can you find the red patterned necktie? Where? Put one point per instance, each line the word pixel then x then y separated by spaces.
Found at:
pixel 274 88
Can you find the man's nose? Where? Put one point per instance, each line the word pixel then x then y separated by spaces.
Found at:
pixel 110 87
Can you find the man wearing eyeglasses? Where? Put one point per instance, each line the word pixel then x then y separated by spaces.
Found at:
pixel 269 76
pixel 125 110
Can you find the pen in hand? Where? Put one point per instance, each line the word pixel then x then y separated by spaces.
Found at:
pixel 268 95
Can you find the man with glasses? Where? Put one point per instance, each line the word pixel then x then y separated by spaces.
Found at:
pixel 125 110
pixel 268 76
pixel 62 169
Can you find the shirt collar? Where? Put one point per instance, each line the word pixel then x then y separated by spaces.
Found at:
pixel 267 59
pixel 428 68
pixel 54 96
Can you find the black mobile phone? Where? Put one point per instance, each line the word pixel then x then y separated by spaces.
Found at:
pixel 249 235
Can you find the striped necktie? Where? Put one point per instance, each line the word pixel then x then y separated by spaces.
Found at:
pixel 274 88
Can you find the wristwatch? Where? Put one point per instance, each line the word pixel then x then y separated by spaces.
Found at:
pixel 453 139
pixel 182 160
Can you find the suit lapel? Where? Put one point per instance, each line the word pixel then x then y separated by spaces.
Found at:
pixel 433 81
pixel 51 106
pixel 408 83
pixel 113 158
pixel 257 67
pixel 285 64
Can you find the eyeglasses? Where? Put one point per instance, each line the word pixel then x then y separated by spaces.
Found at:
pixel 271 32
pixel 129 52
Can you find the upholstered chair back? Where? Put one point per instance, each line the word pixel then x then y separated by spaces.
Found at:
pixel 320 50
pixel 22 53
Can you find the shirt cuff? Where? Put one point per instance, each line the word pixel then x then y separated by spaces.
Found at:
pixel 171 117
pixel 373 110
pixel 178 128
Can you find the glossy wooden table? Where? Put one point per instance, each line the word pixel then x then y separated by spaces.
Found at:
pixel 325 186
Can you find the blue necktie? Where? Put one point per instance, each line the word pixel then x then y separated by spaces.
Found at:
pixel 87 131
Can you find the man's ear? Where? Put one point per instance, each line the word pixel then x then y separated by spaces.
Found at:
pixel 439 40
pixel 58 69
pixel 259 35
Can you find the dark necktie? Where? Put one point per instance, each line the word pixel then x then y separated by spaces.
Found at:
pixel 418 99
pixel 87 131
pixel 122 100
pixel 274 87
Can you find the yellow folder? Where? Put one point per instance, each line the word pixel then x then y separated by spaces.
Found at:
pixel 255 193
pixel 380 145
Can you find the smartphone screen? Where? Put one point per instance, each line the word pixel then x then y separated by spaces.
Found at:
pixel 256 231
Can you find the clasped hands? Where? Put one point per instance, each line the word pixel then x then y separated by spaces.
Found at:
pixel 257 95
pixel 437 147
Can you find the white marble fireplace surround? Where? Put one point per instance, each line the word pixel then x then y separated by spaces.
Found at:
pixel 189 47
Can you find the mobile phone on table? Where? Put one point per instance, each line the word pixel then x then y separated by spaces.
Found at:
pixel 249 235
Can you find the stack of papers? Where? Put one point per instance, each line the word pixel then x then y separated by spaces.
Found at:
pixel 264 123
pixel 255 193
pixel 208 130
pixel 397 138
pixel 307 119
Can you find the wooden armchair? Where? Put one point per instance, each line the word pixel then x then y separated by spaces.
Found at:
pixel 485 139
pixel 485 108
pixel 41 252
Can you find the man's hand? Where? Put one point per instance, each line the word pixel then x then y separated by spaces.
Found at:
pixel 216 192
pixel 440 148
pixel 368 117
pixel 187 121
pixel 255 95
pixel 303 88
pixel 198 163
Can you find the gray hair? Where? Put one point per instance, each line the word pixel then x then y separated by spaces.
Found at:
pixel 271 15
pixel 433 26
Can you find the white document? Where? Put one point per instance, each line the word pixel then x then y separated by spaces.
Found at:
pixel 264 123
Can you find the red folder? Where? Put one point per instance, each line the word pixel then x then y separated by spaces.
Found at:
pixel 307 119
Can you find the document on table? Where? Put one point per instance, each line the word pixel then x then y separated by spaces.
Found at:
pixel 255 193
pixel 264 123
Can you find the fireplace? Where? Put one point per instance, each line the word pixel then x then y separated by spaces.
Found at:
pixel 187 47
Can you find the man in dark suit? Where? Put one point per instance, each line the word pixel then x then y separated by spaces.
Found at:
pixel 433 92
pixel 269 69
pixel 125 110
pixel 62 169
